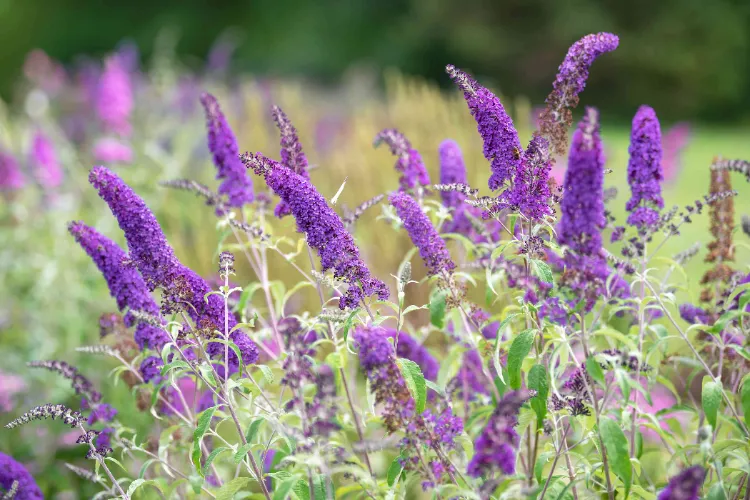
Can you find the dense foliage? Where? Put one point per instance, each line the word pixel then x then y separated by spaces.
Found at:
pixel 552 365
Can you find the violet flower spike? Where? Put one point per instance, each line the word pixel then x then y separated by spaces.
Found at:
pixel 530 192
pixel 125 283
pixel 409 163
pixel 644 169
pixel 685 486
pixel 47 169
pixel 11 472
pixel 323 227
pixel 570 81
pixel 423 234
pixel 237 185
pixel 11 178
pixel 582 205
pixel 292 156
pixel 502 148
pixel 114 97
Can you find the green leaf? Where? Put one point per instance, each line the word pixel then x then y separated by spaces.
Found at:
pixel 241 452
pixel 227 491
pixel 432 385
pixel 134 486
pixel 267 373
pixel 302 490
pixel 282 490
pixel 543 270
pixel 711 400
pixel 716 492
pixel 319 485
pixel 616 445
pixel 745 398
pixel 519 349
pixel 638 445
pixel 594 369
pixel 204 422
pixel 537 380
pixel 349 323
pixel 211 457
pixel 437 308
pixel 414 381
pixel 394 471
pixel 196 482
pixel 252 430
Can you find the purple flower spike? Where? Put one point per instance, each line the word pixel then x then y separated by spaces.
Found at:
pixel 583 198
pixel 571 80
pixel 409 161
pixel 292 156
pixel 324 229
pixel 12 471
pixel 495 449
pixel 237 185
pixel 114 97
pixel 502 148
pixel 644 169
pixel 11 178
pixel 685 486
pixel 452 171
pixel 154 257
pixel 530 191
pixel 125 283
pixel 423 234
pixel 47 169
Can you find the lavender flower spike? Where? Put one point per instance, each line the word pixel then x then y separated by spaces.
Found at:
pixel 114 97
pixel 452 171
pixel 409 161
pixel 644 169
pixel 324 229
pixel 582 204
pixel 570 81
pixel 237 185
pixel 11 178
pixel 502 148
pixel 125 283
pixel 13 472
pixel 685 486
pixel 423 234
pixel 292 156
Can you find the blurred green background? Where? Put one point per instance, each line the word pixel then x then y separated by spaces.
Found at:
pixel 691 58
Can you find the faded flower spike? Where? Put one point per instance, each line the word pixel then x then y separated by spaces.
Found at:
pixel 16 482
pixel 644 169
pixel 292 156
pixel 423 234
pixel 685 486
pixel 409 161
pixel 114 97
pixel 582 204
pixel 62 412
pixel 324 229
pixel 124 281
pixel 237 185
pixel 81 385
pixel 11 178
pixel 47 169
pixel 570 81
pixel 502 148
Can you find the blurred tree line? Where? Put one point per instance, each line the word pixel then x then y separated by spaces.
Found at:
pixel 690 59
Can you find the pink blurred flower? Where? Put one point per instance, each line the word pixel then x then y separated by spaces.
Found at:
pixel 110 150
pixel 69 438
pixel 114 98
pixel 674 141
pixel 661 398
pixel 11 178
pixel 44 72
pixel 10 385
pixel 47 169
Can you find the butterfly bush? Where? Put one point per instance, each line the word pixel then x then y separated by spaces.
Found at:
pixel 545 346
